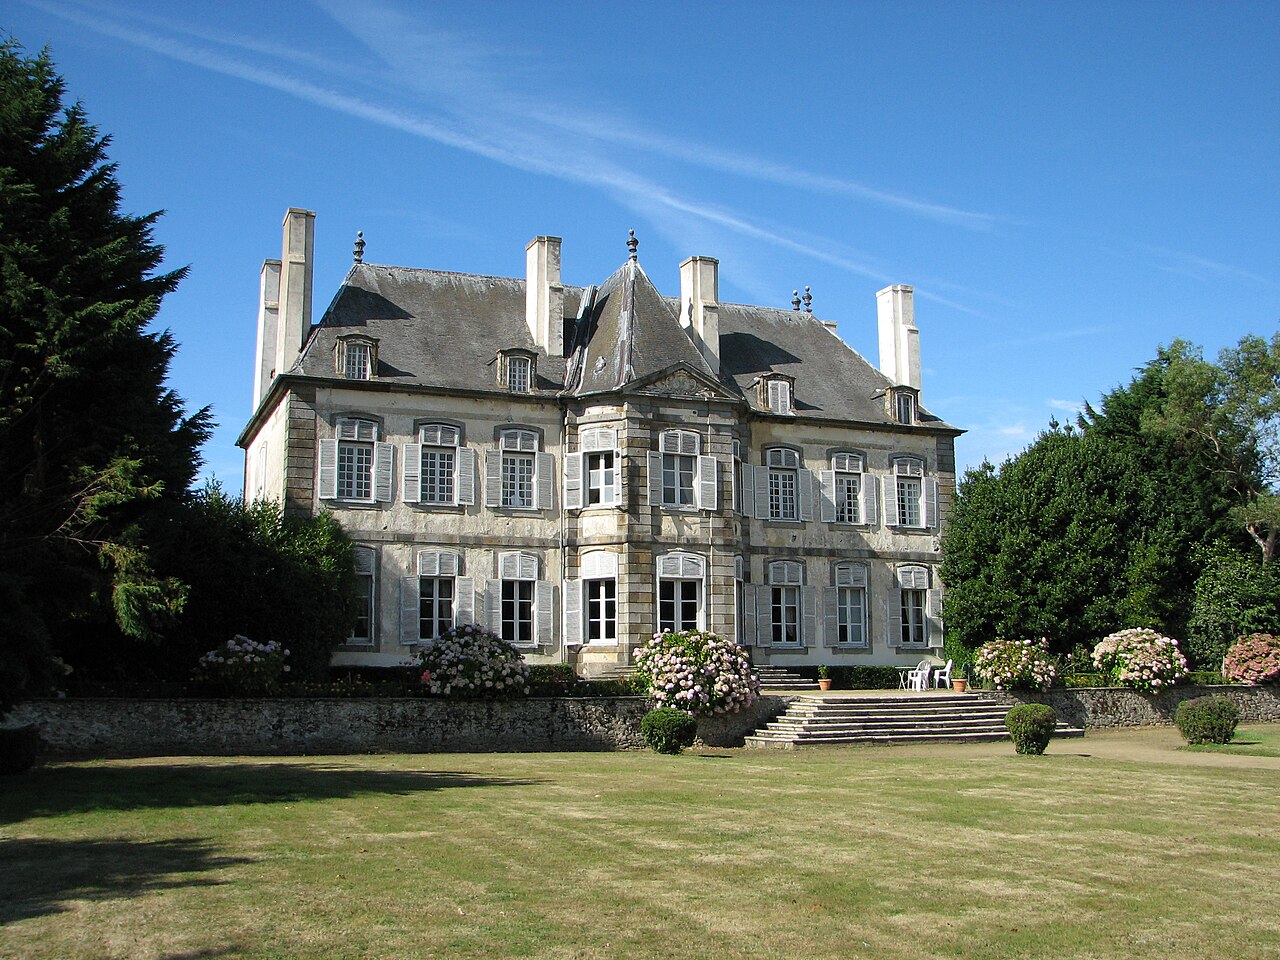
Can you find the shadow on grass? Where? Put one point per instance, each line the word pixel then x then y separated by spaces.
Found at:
pixel 62 789
pixel 39 876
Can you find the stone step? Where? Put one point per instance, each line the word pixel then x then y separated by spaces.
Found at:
pixel 765 740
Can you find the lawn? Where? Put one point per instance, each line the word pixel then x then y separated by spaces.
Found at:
pixel 870 852
pixel 1259 740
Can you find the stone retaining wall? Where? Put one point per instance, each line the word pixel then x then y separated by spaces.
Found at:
pixel 76 728
pixel 1120 707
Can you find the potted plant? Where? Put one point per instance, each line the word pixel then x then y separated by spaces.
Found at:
pixel 959 684
pixel 824 678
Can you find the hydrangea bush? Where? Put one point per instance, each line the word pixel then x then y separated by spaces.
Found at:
pixel 1141 658
pixel 1016 664
pixel 245 666
pixel 1253 659
pixel 697 672
pixel 470 661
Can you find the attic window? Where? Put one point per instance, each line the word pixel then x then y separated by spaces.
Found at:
pixel 517 370
pixel 904 405
pixel 356 358
pixel 776 393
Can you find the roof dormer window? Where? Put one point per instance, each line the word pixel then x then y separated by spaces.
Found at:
pixel 517 370
pixel 776 393
pixel 356 358
pixel 902 405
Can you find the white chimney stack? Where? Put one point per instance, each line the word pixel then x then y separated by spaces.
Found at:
pixel 294 298
pixel 899 338
pixel 544 295
pixel 700 307
pixel 268 319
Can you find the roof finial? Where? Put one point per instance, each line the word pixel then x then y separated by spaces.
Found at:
pixel 632 244
pixel 795 300
pixel 357 252
pixel 808 300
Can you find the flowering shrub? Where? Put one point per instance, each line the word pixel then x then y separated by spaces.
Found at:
pixel 1253 659
pixel 470 661
pixel 244 666
pixel 1016 664
pixel 697 672
pixel 1141 658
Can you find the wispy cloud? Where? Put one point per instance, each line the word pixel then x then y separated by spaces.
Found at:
pixel 1066 406
pixel 1199 268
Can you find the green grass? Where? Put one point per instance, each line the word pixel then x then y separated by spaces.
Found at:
pixel 1261 740
pixel 886 853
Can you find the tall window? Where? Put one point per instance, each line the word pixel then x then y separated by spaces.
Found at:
pixel 912 493
pixel 602 610
pixel 438 593
pixel 355 358
pixel 735 478
pixel 905 406
pixel 518 572
pixel 593 475
pixel 362 629
pixel 913 595
pixel 778 394
pixel 591 602
pixel 518 448
pixel 679 467
pixel 847 477
pixel 851 605
pixel 785 580
pixel 518 374
pixel 784 474
pixel 354 466
pixel 680 591
pixel 439 462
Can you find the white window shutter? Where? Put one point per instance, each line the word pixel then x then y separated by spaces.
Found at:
pixel 493 605
pixel 830 616
pixel 464 601
pixel 804 489
pixel 544 480
pixel 509 566
pixel 891 515
pixel 572 481
pixel 733 483
pixel 930 512
pixel 617 479
pixel 936 635
pixel 762 492
pixel 870 485
pixel 410 611
pixel 708 483
pixel 383 472
pixel 747 632
pixel 733 617
pixel 669 566
pixel 411 487
pixel 827 492
pixel 893 620
pixel 544 608
pixel 464 480
pixel 655 479
pixel 328 472
pixel 493 478
pixel 809 616
pixel 572 613
pixel 528 566
pixel 764 616
pixel 748 481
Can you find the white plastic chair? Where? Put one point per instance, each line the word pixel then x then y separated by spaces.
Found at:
pixel 942 676
pixel 918 679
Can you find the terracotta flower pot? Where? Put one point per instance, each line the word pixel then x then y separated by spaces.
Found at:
pixel 824 683
pixel 959 686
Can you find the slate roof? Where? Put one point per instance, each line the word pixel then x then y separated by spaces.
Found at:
pixel 443 329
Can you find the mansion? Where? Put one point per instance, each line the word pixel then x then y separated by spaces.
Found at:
pixel 577 467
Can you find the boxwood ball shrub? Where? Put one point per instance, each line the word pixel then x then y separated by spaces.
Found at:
pixel 1030 725
pixel 1207 720
pixel 1016 664
pixel 668 730
pixel 697 672
pixel 1253 659
pixel 1141 659
pixel 472 662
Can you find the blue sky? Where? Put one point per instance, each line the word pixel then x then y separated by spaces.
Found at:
pixel 1066 185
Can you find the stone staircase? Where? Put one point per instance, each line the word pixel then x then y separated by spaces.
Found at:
pixel 958 718
pixel 780 678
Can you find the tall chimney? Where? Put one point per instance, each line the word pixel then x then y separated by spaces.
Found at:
pixel 544 295
pixel 296 265
pixel 268 318
pixel 899 338
pixel 700 307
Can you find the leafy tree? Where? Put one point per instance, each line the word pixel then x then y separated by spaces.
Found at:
pixel 91 439
pixel 1236 594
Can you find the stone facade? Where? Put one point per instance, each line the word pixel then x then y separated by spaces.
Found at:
pixel 578 467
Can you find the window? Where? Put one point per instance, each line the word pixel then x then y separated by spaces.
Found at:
pixel 354 466
pixel 905 406
pixel 436 599
pixel 517 370
pixel 848 488
pixel 437 470
pixel 517 475
pixel 911 619
pixel 740 633
pixel 601 461
pixel 518 374
pixel 356 358
pixel 776 393
pixel 680 591
pixel 911 496
pixel 518 605
pixel 602 610
pixel 850 594
pixel 679 477
pixel 592 601
pixel 736 475
pixel 784 484
pixel 366 595
pixel 785 578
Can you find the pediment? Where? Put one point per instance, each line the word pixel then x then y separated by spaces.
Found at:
pixel 681 382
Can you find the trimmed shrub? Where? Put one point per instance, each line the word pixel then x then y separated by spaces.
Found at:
pixel 1207 720
pixel 1141 659
pixel 1016 664
pixel 473 662
pixel 668 730
pixel 865 677
pixel 1030 725
pixel 18 747
pixel 697 672
pixel 552 680
pixel 1253 659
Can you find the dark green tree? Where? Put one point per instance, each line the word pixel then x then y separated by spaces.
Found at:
pixel 91 438
pixel 1236 594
